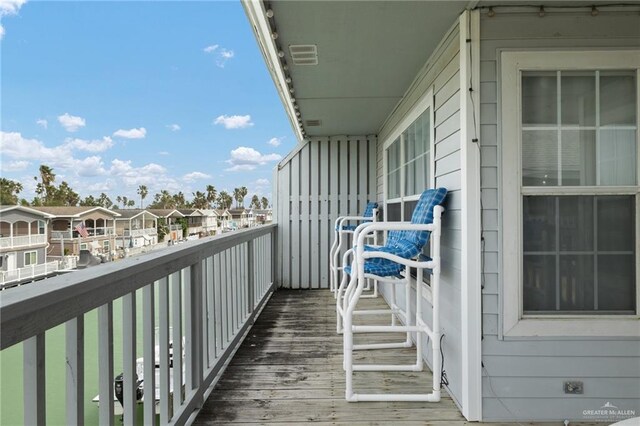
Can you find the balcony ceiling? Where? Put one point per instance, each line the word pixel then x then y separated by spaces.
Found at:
pixel 368 55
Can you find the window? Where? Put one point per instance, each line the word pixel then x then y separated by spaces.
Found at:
pixel 570 181
pixel 105 246
pixel 84 246
pixel 409 167
pixel 41 227
pixel 30 258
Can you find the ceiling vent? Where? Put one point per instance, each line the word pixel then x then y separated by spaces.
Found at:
pixel 312 123
pixel 304 54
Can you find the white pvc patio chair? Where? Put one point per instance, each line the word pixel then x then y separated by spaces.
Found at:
pixel 341 230
pixel 386 264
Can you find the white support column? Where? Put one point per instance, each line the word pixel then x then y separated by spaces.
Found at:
pixel 471 294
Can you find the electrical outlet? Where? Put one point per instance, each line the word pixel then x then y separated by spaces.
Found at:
pixel 573 387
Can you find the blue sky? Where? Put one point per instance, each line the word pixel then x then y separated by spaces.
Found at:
pixel 112 95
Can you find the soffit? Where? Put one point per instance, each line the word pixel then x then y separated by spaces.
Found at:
pixel 368 55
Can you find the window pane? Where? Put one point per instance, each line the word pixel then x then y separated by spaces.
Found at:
pixel 539 223
pixel 617 98
pixel 616 283
pixel 394 155
pixel 540 158
pixel 578 157
pixel 617 157
pixel 393 185
pixel 394 212
pixel 421 175
pixel 576 223
pixel 409 206
pixel 410 176
pixel 539 98
pixel 538 279
pixel 576 283
pixel 578 98
pixel 616 223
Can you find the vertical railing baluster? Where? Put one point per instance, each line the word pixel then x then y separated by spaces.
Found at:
pixel 149 353
pixel 187 309
pixel 218 302
pixel 193 298
pixel 229 285
pixel 211 320
pixel 176 336
pixel 204 321
pixel 250 275
pixel 34 380
pixel 129 381
pixel 105 363
pixel 163 325
pixel 75 370
pixel 234 289
pixel 224 301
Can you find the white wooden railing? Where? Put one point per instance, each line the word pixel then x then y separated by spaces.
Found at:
pixel 31 271
pixel 22 241
pixel 140 232
pixel 212 288
pixel 93 232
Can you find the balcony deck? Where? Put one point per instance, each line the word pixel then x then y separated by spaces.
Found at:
pixel 289 370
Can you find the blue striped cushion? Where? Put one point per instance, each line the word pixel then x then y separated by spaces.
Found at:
pixel 406 244
pixel 368 212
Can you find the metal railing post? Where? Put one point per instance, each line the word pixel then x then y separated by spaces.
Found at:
pixel 250 276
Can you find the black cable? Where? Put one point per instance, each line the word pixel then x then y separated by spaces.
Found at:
pixel 444 381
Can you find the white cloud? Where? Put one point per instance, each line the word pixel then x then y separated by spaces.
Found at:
pixel 90 166
pixel 14 145
pixel 9 7
pixel 234 121
pixel 42 122
pixel 98 145
pixel 71 123
pixel 262 182
pixel 150 174
pixel 14 166
pixel 163 153
pixel 131 133
pixel 173 127
pixel 221 54
pixel 275 141
pixel 193 176
pixel 244 158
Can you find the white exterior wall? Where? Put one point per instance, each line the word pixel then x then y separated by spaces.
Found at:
pixel 323 179
pixel 442 72
pixel 523 377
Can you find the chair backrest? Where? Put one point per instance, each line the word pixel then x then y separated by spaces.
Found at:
pixel 422 214
pixel 368 211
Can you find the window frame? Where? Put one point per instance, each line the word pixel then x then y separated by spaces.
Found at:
pixel 425 102
pixel 29 253
pixel 514 322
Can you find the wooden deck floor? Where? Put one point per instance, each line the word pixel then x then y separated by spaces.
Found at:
pixel 289 370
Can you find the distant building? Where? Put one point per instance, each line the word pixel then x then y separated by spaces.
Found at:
pixel 136 228
pixel 169 217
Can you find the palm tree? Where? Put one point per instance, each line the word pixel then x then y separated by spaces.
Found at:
pixel 131 203
pixel 125 201
pixel 243 193
pixel 9 191
pixel 224 200
pixel 265 202
pixel 237 194
pixel 255 202
pixel 199 200
pixel 45 188
pixel 212 195
pixel 143 191
pixel 118 199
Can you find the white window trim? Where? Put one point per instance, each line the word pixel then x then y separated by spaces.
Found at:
pixel 514 325
pixel 24 258
pixel 426 101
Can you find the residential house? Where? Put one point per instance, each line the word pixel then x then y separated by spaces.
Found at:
pixel 209 221
pixel 528 115
pixel 23 245
pixel 262 216
pixel 224 219
pixel 173 229
pixel 195 222
pixel 239 218
pixel 72 229
pixel 136 228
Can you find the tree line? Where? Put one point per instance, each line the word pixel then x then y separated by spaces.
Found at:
pixel 50 194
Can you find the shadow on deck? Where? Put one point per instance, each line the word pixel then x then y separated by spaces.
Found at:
pixel 289 370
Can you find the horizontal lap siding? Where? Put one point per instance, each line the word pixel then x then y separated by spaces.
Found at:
pixel 443 75
pixel 326 178
pixel 522 379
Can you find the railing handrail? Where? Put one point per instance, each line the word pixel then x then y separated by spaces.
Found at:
pixel 69 296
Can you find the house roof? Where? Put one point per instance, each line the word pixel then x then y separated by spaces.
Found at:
pixel 166 212
pixel 131 213
pixel 237 211
pixel 4 209
pixel 191 212
pixel 368 54
pixel 74 211
pixel 222 212
pixel 209 212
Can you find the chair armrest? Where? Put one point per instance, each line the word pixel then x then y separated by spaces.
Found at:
pixel 341 219
pixel 397 259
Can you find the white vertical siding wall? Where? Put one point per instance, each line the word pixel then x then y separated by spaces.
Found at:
pixel 326 178
pixel 442 72
pixel 523 378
